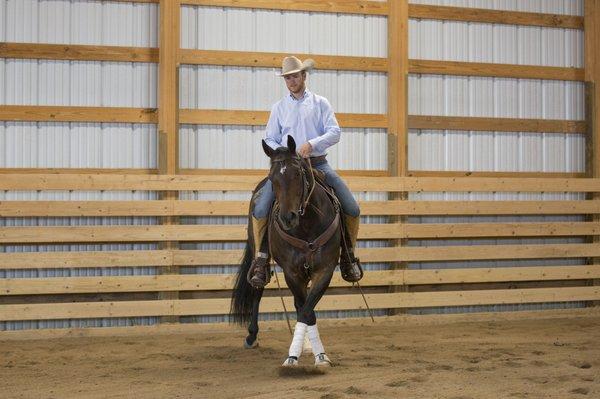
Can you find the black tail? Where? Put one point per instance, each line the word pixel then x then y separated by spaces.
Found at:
pixel 243 293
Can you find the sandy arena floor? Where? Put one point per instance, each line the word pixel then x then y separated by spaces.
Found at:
pixel 524 356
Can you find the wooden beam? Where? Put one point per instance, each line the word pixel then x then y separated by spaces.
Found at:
pixel 592 98
pixel 458 173
pixel 168 100
pixel 78 52
pixel 592 77
pixel 398 87
pixel 168 120
pixel 457 68
pixel 40 113
pixel 495 124
pixel 260 118
pixel 150 258
pixel 280 325
pixel 88 259
pixel 264 172
pixel 214 282
pixel 469 14
pixel 166 232
pixel 247 183
pixel 327 6
pixel 189 307
pixel 240 208
pixel 59 171
pixel 273 60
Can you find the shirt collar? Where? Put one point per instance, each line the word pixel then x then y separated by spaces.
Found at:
pixel 304 96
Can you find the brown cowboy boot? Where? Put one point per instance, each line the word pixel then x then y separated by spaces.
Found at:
pixel 349 264
pixel 259 274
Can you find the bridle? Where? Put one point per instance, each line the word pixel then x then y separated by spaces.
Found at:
pixel 308 184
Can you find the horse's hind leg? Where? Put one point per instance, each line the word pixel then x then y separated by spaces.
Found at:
pixel 250 342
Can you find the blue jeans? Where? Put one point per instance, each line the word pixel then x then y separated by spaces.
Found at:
pixel 263 199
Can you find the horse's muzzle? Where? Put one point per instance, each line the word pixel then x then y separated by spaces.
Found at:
pixel 289 220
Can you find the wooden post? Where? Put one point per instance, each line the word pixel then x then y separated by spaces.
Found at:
pixel 592 96
pixel 397 111
pixel 168 118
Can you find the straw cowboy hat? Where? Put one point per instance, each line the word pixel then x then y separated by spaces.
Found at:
pixel 292 64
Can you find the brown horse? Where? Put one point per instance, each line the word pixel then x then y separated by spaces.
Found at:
pixel 304 239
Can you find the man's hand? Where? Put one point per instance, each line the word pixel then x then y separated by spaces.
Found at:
pixel 305 150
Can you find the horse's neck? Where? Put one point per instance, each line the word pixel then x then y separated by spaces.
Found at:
pixel 319 213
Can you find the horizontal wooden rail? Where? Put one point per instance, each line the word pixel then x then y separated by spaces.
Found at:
pixel 273 60
pixel 146 258
pixel 211 282
pixel 78 52
pixel 240 208
pixel 495 124
pixel 188 307
pixel 263 172
pixel 90 182
pixel 237 233
pixel 458 68
pixel 42 113
pixel 414 11
pixel 260 118
pixel 468 14
pixel 183 171
pixel 120 233
pixel 468 173
pixel 329 6
pixel 36 113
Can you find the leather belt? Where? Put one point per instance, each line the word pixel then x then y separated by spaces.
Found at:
pixel 318 160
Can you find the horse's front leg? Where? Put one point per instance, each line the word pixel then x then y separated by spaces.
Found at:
pixel 297 286
pixel 250 342
pixel 307 315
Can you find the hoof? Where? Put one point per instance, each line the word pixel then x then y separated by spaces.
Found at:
pixel 250 346
pixel 321 360
pixel 290 362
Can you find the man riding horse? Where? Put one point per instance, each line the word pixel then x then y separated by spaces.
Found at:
pixel 310 120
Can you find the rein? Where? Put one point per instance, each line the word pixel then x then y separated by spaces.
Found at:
pixel 304 204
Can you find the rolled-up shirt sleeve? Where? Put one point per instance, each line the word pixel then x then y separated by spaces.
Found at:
pixel 273 131
pixel 330 126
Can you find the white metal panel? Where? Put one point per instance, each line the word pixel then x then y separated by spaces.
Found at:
pixel 80 22
pixel 240 29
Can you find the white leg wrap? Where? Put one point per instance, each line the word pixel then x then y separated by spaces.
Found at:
pixel 298 340
pixel 315 340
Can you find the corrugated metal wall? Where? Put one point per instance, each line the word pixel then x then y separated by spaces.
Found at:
pixel 134 85
pixel 496 97
pixel 77 145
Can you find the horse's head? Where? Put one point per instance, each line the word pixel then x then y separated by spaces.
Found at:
pixel 290 182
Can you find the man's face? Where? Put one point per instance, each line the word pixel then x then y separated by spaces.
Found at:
pixel 295 82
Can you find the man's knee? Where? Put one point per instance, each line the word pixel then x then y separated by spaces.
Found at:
pixel 351 208
pixel 263 200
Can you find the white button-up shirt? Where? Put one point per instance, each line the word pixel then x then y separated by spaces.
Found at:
pixel 309 119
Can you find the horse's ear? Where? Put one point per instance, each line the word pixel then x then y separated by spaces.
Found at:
pixel 267 149
pixel 291 144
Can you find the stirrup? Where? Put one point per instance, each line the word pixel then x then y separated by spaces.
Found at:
pixel 259 274
pixel 352 272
